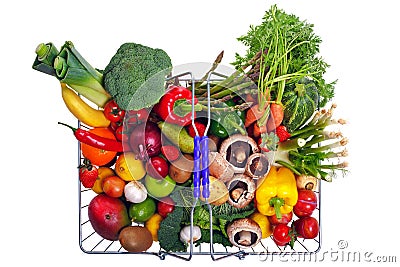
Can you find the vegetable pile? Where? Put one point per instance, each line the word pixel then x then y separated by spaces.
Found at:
pixel 272 140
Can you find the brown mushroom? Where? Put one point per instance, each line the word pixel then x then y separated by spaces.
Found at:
pixel 241 190
pixel 236 150
pixel 257 165
pixel 244 233
pixel 308 182
pixel 220 168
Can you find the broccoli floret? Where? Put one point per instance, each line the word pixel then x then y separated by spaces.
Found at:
pixel 135 75
pixel 168 233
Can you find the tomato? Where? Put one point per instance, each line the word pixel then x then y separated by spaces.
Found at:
pixel 286 218
pixel 121 134
pixel 157 167
pixel 113 186
pixel 307 227
pixel 165 206
pixel 306 203
pixel 282 234
pixel 113 112
pixel 137 116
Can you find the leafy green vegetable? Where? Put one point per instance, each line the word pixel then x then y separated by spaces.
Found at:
pixel 218 238
pixel 168 233
pixel 70 67
pixel 135 75
pixel 292 44
pixel 229 213
pixel 222 215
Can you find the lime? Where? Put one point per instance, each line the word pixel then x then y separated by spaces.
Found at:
pixel 141 212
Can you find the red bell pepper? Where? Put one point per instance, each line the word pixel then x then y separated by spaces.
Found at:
pixel 175 98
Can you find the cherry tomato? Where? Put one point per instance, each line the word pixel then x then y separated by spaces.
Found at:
pixel 113 186
pixel 306 203
pixel 137 116
pixel 307 227
pixel 165 206
pixel 113 112
pixel 121 134
pixel 157 167
pixel 282 234
pixel 286 218
pixel 114 125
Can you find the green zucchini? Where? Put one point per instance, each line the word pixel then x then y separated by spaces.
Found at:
pixel 300 100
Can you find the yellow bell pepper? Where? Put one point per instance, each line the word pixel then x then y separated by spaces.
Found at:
pixel 277 192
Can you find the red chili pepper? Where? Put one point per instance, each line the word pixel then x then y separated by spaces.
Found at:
pixel 95 140
pixel 165 108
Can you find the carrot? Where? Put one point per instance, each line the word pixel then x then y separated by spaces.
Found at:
pixel 258 130
pixel 276 116
pixel 252 115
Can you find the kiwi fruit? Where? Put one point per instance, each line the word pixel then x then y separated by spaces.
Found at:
pixel 135 238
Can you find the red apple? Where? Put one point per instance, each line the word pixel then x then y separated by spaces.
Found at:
pixel 108 215
pixel 157 167
pixel 165 205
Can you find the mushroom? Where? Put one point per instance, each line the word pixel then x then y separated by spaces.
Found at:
pixel 241 190
pixel 236 150
pixel 244 233
pixel 308 182
pixel 220 167
pixel 257 165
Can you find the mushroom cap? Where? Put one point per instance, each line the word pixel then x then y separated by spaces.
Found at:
pixel 244 224
pixel 227 143
pixel 249 186
pixel 256 173
pixel 220 167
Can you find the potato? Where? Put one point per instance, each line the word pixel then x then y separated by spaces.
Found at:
pixel 181 170
pixel 219 193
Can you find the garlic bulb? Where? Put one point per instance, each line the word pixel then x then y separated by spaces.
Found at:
pixel 135 192
pixel 185 234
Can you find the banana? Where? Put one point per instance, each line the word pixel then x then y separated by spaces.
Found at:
pixel 81 110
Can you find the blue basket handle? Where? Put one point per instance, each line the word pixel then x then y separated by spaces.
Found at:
pixel 196 167
pixel 205 173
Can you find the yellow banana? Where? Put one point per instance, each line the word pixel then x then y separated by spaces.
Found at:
pixel 81 110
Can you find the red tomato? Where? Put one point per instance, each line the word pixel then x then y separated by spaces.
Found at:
pixel 165 206
pixel 306 203
pixel 121 134
pixel 137 116
pixel 286 218
pixel 281 234
pixel 307 227
pixel 113 186
pixel 113 112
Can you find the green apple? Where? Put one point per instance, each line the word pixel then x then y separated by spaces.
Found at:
pixel 159 188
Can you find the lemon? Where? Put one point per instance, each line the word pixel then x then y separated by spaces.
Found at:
pixel 103 173
pixel 128 168
pixel 153 224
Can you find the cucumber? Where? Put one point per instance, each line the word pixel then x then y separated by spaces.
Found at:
pixel 177 135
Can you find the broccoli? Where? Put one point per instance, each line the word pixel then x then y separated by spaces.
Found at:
pixel 168 233
pixel 135 75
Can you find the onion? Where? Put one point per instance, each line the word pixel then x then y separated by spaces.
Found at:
pixel 145 140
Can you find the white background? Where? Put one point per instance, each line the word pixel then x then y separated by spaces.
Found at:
pixel 39 197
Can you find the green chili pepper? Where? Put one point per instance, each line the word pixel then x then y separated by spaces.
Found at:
pixel 228 123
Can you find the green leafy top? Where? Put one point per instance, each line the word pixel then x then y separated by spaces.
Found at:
pixel 300 36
